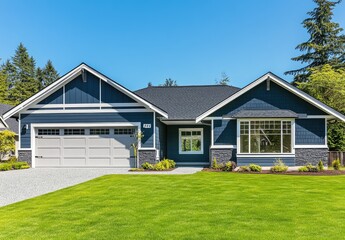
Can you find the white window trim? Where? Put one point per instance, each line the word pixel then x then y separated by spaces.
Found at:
pixel 202 140
pixel 265 154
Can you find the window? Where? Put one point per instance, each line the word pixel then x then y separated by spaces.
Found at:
pixel 124 131
pixel 99 131
pixel 48 132
pixel 191 141
pixel 74 131
pixel 265 136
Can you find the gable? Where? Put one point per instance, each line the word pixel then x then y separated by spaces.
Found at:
pixel 259 98
pixel 78 91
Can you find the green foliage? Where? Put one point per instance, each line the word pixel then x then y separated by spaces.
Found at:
pixel 169 83
pixel 320 166
pixel 216 165
pixel 336 164
pixel 147 166
pixel 303 169
pixel 327 84
pixel 136 169
pixel 5 166
pixel 20 165
pixel 225 80
pixel 12 159
pixel 279 166
pixel 19 78
pixel 229 166
pixel 255 168
pixel 7 143
pixel 325 45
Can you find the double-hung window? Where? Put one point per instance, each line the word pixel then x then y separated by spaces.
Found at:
pixel 191 141
pixel 265 136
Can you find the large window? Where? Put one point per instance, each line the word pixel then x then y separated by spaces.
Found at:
pixel 265 136
pixel 191 141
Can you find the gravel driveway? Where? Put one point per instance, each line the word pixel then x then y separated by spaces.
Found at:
pixel 19 185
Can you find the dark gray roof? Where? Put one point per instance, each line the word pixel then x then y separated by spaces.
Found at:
pixel 186 102
pixel 264 114
pixel 11 122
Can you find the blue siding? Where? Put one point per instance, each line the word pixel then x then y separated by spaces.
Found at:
pixel 259 98
pixel 54 98
pixel 78 91
pixel 143 117
pixel 112 95
pixel 310 132
pixel 173 145
pixel 161 138
pixel 224 132
pixel 264 162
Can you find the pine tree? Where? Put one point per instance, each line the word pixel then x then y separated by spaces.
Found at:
pixel 3 88
pixel 326 44
pixel 224 79
pixel 25 83
pixel 169 83
pixel 49 74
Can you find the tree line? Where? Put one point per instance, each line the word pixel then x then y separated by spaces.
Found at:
pixel 20 78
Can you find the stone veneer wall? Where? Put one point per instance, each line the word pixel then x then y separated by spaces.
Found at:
pixel 147 156
pixel 25 156
pixel 311 155
pixel 223 155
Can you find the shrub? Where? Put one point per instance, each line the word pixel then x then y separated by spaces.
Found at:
pixel 136 169
pixel 20 165
pixel 147 166
pixel 159 166
pixel 172 163
pixel 255 168
pixel 229 166
pixel 215 164
pixel 303 169
pixel 13 159
pixel 320 165
pixel 279 166
pixel 168 164
pixel 244 169
pixel 5 166
pixel 336 164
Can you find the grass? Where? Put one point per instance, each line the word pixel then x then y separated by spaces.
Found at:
pixel 206 205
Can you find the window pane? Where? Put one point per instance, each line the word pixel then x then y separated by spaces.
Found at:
pixel 244 139
pixel 185 145
pixel 287 143
pixel 196 145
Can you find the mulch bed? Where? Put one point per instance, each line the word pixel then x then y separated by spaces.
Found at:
pixel 322 173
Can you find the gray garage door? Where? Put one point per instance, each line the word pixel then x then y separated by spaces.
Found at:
pixel 84 147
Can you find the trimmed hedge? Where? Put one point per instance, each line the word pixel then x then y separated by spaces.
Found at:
pixel 13 166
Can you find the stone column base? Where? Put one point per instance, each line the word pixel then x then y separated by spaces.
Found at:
pixel 25 156
pixel 223 155
pixel 147 156
pixel 304 156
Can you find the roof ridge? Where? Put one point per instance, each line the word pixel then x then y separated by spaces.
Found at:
pixel 188 86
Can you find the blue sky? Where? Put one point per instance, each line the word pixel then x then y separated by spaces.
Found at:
pixel 136 42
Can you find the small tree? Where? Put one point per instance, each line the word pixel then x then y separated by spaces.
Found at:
pixel 138 136
pixel 225 80
pixel 169 83
pixel 7 143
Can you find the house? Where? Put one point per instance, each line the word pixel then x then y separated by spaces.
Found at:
pixel 10 124
pixel 85 119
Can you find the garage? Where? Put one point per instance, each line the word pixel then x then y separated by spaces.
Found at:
pixel 84 147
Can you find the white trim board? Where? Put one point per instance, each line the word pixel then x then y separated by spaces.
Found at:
pixel 281 83
pixel 70 76
pixel 223 147
pixel 85 111
pixel 311 146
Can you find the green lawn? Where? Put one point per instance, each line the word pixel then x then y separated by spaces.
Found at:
pixel 200 206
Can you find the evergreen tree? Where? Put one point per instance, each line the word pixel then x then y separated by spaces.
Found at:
pixel 49 74
pixel 326 44
pixel 169 83
pixel 224 80
pixel 25 83
pixel 3 88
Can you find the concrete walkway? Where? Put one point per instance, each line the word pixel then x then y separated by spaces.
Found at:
pixel 18 185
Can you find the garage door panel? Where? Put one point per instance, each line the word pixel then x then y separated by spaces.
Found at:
pixel 99 161
pixel 48 142
pixel 122 152
pixel 74 142
pixel 74 162
pixel 47 162
pixel 123 141
pixel 74 152
pixel 100 151
pixel 99 142
pixel 48 151
pixel 121 162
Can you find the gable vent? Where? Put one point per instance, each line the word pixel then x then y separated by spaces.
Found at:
pixel 268 84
